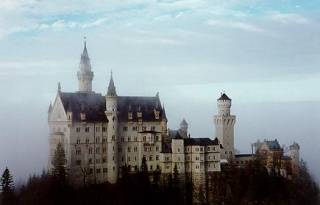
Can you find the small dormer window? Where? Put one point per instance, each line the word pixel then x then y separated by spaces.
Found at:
pixel 156 114
pixel 83 116
pixel 69 115
pixel 139 114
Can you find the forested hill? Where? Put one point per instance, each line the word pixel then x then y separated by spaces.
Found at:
pixel 248 186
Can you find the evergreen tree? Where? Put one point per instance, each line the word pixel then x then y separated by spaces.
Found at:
pixel 144 166
pixel 175 178
pixel 7 186
pixel 59 165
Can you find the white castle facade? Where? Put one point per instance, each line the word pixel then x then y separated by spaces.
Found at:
pixel 101 133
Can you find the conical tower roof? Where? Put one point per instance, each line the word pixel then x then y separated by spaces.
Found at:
pixel 224 97
pixel 183 122
pixel 111 88
pixel 85 64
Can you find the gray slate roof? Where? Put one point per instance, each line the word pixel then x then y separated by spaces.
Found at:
pixel 224 97
pixel 174 134
pixel 200 141
pixel 94 106
pixel 273 144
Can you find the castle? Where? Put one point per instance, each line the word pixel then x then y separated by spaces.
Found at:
pixel 103 133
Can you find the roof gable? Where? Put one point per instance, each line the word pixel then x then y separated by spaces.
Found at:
pixel 57 112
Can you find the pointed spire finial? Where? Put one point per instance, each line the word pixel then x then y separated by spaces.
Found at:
pixel 85 41
pixel 59 87
pixel 111 88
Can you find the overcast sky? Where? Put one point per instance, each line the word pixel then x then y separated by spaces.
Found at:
pixel 263 53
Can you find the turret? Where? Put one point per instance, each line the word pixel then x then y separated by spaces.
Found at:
pixel 224 105
pixel 224 124
pixel 85 75
pixel 183 128
pixel 112 140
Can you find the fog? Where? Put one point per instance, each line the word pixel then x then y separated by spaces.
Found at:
pixel 264 54
pixel 24 130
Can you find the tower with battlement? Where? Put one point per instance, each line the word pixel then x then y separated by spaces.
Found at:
pixel 224 126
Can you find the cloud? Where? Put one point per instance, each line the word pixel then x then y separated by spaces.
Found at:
pixel 235 24
pixel 287 18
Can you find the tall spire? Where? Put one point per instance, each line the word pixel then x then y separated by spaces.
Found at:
pixel 85 75
pixel 85 64
pixel 111 87
pixel 59 87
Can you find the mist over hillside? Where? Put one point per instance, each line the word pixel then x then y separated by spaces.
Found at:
pixel 24 131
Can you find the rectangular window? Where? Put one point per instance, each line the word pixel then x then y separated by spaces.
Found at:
pixel 98 171
pixel 104 129
pixel 125 128
pixel 78 151
pixel 153 128
pixel 90 161
pixel 78 129
pixel 105 170
pixel 87 129
pixel 78 141
pixel 97 129
pixel 157 157
pixel 78 162
pixel 129 149
pixel 150 158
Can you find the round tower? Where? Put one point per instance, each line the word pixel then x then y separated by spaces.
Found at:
pixel 224 124
pixel 224 105
pixel 112 139
pixel 85 75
